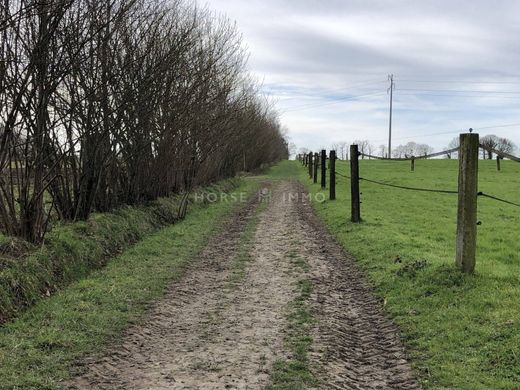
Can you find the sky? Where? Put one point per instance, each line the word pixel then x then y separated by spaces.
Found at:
pixel 325 65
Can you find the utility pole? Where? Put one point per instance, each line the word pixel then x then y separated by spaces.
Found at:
pixel 391 89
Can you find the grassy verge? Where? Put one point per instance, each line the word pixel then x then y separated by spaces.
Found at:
pixel 73 250
pixel 38 349
pixel 295 373
pixel 462 332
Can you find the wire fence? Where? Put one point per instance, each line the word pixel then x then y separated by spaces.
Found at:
pixel 467 192
pixel 500 153
pixel 434 190
pixel 342 175
pixel 431 190
pixel 407 187
pixel 498 199
pixel 422 157
pixel 482 194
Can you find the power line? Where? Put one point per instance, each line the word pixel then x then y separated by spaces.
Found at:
pixel 498 126
pixel 459 81
pixel 452 132
pixel 422 135
pixel 459 95
pixel 338 100
pixel 342 89
pixel 458 91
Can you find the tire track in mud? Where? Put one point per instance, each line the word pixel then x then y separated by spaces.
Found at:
pixel 355 345
pixel 210 331
pixel 214 331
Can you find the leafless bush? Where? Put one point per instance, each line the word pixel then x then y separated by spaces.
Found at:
pixel 110 102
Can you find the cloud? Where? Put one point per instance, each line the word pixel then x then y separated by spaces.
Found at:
pixel 325 63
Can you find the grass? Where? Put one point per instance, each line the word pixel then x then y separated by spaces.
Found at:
pixel 38 349
pixel 294 373
pixel 71 251
pixel 462 332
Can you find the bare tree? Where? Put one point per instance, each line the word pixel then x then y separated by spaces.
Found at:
pixel 398 151
pixel 110 102
pixel 490 142
pixel 423 150
pixel 303 151
pixel 365 147
pixel 344 150
pixel 505 145
pixel 383 151
pixel 454 143
pixel 411 149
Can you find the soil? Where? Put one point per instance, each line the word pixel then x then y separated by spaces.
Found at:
pixel 222 325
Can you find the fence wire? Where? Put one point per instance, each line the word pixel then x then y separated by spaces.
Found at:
pixel 499 153
pixel 408 188
pixel 498 199
pixel 339 174
pixel 436 154
pixel 482 194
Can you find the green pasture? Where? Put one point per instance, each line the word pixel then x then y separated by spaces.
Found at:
pixel 462 332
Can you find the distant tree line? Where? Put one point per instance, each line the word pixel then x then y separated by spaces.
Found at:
pixel 411 149
pixel 414 149
pixel 366 147
pixel 501 144
pixel 112 102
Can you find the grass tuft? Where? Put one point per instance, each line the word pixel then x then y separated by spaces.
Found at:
pixel 294 373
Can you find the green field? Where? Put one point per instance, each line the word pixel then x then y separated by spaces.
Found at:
pixel 463 332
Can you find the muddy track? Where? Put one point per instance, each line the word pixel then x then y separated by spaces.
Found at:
pixel 211 331
pixel 355 345
pixel 222 325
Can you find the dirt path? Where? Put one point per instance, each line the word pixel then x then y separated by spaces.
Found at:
pixel 222 326
pixel 355 345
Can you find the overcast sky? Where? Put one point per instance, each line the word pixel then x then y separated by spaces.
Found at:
pixel 456 65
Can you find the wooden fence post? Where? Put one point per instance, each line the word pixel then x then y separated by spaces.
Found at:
pixel 309 160
pixel 332 179
pixel 354 184
pixel 467 204
pixel 323 168
pixel 316 160
pixel 413 164
pixel 498 163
